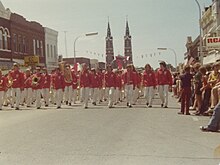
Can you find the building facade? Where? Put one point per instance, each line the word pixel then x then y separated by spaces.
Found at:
pixel 27 39
pixel 109 46
pixel 51 51
pixel 128 45
pixel 5 39
pixel 210 24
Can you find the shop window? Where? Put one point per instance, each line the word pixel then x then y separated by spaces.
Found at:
pixel 1 39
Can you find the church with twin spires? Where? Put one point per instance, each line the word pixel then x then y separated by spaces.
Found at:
pixel 123 60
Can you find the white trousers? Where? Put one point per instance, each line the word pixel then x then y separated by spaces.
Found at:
pixel 85 95
pixel 28 92
pixel 149 94
pixel 16 96
pixel 135 95
pixel 68 93
pixel 46 95
pixel 94 94
pixel 52 96
pixel 38 98
pixel 117 94
pixel 106 94
pixel 111 96
pixel 1 98
pixel 58 96
pixel 74 96
pixel 163 92
pixel 129 93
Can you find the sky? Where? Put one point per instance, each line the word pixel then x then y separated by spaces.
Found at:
pixel 152 23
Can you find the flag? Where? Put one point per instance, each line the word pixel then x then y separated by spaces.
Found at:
pixel 119 64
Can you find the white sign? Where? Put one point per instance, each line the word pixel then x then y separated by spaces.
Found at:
pixel 213 42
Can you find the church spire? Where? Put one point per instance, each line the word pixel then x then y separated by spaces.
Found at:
pixel 108 29
pixel 127 33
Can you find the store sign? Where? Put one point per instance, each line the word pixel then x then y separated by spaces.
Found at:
pixel 31 60
pixel 213 42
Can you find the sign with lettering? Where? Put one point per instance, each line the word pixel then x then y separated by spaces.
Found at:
pixel 31 60
pixel 213 42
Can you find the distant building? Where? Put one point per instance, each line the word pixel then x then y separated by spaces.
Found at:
pixel 51 52
pixel 128 45
pixel 94 63
pixel 101 65
pixel 109 46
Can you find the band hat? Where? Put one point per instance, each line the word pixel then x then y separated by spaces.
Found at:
pixel 38 68
pixel 15 64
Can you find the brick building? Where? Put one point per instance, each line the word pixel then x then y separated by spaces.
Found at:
pixel 27 39
pixel 5 38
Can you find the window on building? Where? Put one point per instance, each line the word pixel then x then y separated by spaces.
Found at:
pixel 7 39
pixel 38 47
pixel 41 48
pixel 55 51
pixel 20 44
pixel 1 39
pixel 48 50
pixel 51 49
pixel 34 46
pixel 15 39
pixel 24 45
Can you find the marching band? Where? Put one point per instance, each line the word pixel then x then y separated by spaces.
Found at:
pixel 65 85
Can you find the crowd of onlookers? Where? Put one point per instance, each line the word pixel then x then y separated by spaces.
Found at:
pixel 198 89
pixel 204 86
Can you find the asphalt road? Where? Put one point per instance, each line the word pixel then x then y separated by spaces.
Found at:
pixel 102 136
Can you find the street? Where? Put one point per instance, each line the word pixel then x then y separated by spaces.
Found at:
pixel 102 136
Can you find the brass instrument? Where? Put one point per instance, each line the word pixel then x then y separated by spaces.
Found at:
pixel 10 82
pixel 1 83
pixel 35 80
pixel 68 75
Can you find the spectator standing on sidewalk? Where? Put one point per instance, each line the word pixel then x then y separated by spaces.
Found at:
pixel 185 79
pixel 197 86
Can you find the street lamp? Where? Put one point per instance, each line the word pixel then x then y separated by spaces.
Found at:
pixel 87 34
pixel 200 32
pixel 173 53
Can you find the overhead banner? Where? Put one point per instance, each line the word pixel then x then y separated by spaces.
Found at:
pixel 213 42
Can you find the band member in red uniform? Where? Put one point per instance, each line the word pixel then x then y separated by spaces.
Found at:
pixel 46 86
pixel 129 80
pixel 94 86
pixel 110 85
pixel 17 79
pixel 85 83
pixel 100 87
pixel 164 82
pixel 149 83
pixel 28 92
pixel 37 84
pixel 118 86
pixel 2 88
pixel 74 86
pixel 68 84
pixel 58 87
pixel 137 85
